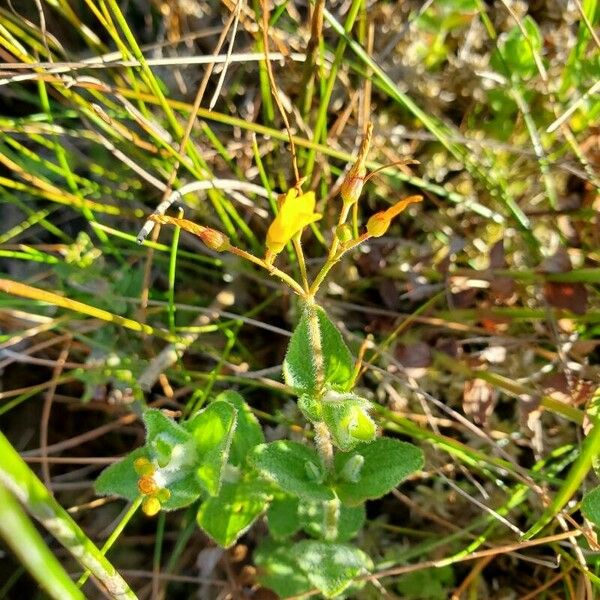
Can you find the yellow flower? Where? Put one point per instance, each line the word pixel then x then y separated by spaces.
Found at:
pixel 379 223
pixel 295 213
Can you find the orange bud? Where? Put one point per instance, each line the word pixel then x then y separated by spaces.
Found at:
pixel 212 238
pixel 147 485
pixel 379 223
pixel 355 179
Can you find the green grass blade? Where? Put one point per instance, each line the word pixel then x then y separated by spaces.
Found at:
pixel 23 483
pixel 29 546
pixel 578 472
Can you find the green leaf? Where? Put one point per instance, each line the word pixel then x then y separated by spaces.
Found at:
pixel 283 517
pixel 120 478
pixel 303 355
pixel 213 430
pixel 248 432
pixel 278 570
pixel 427 584
pixel 230 514
pixel 158 423
pixel 350 521
pixel 183 491
pixel 514 55
pixel 590 506
pixel 386 463
pixel 330 567
pixel 347 419
pixel 285 463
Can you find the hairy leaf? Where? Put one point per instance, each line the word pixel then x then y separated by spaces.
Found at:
pixel 386 463
pixel 318 347
pixel 289 464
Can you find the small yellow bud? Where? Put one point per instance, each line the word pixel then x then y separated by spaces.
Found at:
pixel 151 506
pixel 163 495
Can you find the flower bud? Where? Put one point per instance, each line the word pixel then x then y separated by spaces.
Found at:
pixel 147 485
pixel 361 426
pixel 163 495
pixel 378 224
pixel 313 472
pixel 344 233
pixel 352 185
pixel 143 466
pixel 214 239
pixel 354 181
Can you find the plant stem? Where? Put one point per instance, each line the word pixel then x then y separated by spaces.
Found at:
pixel 114 535
pixel 331 519
pixel 322 435
pixel 270 268
pixel 301 261
pixel 324 445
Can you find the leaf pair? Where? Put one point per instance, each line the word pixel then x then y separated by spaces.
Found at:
pixel 319 366
pixel 296 469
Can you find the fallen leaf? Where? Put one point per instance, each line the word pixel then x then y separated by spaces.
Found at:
pixel 569 296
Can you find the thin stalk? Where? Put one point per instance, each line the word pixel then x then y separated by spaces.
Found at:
pixel 301 261
pixel 114 536
pixel 272 270
pixel 172 272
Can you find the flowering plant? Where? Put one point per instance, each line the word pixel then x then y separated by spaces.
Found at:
pixel 219 460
